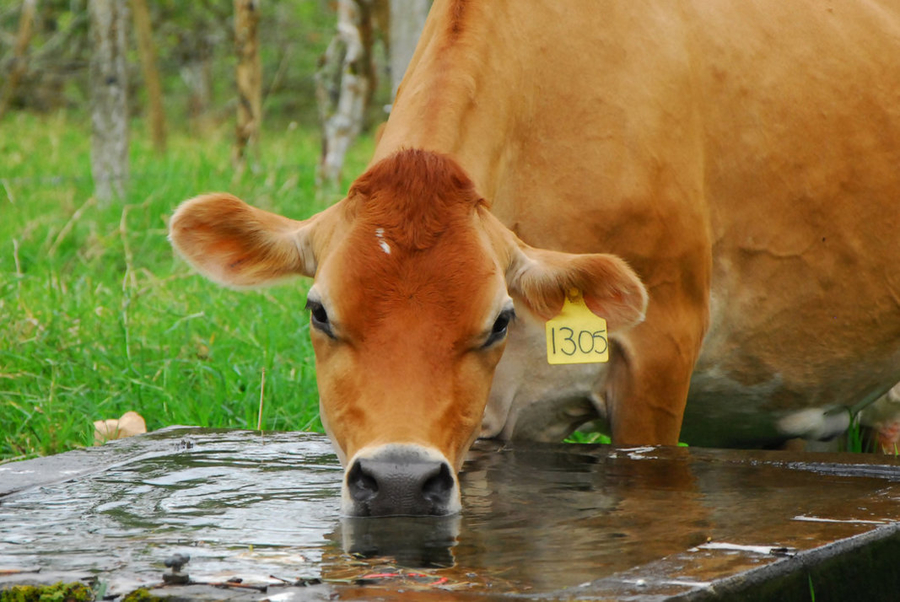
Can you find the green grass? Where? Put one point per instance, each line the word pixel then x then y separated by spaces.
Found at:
pixel 854 440
pixel 96 315
pixel 588 438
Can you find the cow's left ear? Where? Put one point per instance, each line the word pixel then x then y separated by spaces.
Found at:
pixel 235 244
pixel 611 289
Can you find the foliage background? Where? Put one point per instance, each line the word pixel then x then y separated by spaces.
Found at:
pixel 96 315
pixel 189 36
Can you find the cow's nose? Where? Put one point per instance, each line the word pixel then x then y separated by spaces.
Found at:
pixel 400 481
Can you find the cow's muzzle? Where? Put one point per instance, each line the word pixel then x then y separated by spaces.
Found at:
pixel 395 480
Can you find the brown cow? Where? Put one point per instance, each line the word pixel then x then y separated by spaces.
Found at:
pixel 742 158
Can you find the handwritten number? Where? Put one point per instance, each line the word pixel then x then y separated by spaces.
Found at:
pixel 595 342
pixel 570 339
pixel 600 333
pixel 581 346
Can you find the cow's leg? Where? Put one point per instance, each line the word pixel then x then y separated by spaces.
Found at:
pixel 647 386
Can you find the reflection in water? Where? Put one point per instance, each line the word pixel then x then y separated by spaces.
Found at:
pixel 572 517
pixel 543 519
pixel 411 542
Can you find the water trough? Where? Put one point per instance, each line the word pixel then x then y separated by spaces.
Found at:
pixel 547 522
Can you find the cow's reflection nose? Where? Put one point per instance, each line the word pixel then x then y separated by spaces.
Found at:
pixel 400 481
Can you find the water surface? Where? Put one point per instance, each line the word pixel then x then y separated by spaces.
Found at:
pixel 265 507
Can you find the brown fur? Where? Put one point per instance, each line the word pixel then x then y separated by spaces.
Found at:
pixel 457 18
pixel 704 153
pixel 414 196
pixel 234 243
pixel 597 277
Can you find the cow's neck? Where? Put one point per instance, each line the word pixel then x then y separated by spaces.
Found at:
pixel 456 97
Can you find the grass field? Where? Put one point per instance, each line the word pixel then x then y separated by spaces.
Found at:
pixel 96 315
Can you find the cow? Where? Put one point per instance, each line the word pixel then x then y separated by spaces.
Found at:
pixel 719 180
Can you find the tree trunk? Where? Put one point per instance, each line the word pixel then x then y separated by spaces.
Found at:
pixel 249 78
pixel 109 106
pixel 19 61
pixel 343 83
pixel 407 21
pixel 147 50
pixel 196 73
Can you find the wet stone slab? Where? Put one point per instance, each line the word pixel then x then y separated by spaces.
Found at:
pixel 258 516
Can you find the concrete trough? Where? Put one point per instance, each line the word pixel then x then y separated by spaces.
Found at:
pixel 258 516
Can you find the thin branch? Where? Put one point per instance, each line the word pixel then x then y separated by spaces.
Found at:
pixel 126 248
pixel 16 258
pixel 9 194
pixel 69 225
pixel 262 393
pixel 184 319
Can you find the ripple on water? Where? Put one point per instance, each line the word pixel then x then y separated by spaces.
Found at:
pixel 249 505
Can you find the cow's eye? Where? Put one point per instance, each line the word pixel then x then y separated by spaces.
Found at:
pixel 501 324
pixel 319 317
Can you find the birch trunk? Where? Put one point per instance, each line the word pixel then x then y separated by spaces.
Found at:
pixel 196 73
pixel 19 62
pixel 343 83
pixel 249 78
pixel 147 51
pixel 109 106
pixel 407 22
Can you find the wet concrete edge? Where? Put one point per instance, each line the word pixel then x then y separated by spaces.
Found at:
pixel 16 477
pixel 861 567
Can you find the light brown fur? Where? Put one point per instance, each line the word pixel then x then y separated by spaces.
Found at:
pixel 739 157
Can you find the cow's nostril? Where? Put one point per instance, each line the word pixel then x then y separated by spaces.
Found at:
pixel 362 486
pixel 400 480
pixel 438 488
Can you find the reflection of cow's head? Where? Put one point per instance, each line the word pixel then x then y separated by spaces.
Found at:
pixel 413 292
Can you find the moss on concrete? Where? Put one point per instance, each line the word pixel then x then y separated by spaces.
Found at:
pixel 58 592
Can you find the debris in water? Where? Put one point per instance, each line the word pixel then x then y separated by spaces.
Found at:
pixel 176 577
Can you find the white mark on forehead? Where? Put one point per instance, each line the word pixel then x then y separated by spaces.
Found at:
pixel 379 234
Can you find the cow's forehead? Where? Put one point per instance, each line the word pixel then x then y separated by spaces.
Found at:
pixel 373 277
pixel 413 238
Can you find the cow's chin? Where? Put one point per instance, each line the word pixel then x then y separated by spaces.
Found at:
pixel 399 480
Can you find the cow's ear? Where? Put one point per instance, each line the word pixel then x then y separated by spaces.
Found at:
pixel 611 289
pixel 237 245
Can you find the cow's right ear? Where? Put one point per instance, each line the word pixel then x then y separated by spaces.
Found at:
pixel 237 245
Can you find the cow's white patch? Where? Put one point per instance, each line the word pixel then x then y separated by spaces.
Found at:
pixel 819 424
pixel 379 234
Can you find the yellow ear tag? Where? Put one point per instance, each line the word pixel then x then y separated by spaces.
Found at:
pixel 576 336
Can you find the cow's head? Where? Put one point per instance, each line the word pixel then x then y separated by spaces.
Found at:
pixel 413 292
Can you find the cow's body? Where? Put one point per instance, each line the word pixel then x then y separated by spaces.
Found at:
pixel 742 157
